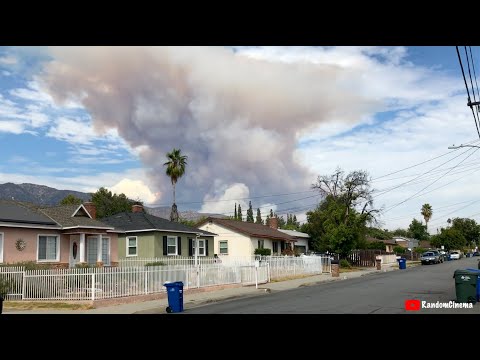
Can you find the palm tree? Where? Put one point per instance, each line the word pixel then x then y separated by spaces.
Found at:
pixel 175 169
pixel 427 213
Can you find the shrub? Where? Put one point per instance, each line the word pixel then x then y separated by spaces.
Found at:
pixel 85 266
pixel 156 263
pixel 345 264
pixel 419 250
pixel 263 252
pixel 29 265
pixel 4 287
pixel 399 249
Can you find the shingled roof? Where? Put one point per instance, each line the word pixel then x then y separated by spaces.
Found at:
pixel 140 221
pixel 71 216
pixel 251 229
pixel 14 212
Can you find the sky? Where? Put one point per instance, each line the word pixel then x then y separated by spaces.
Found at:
pixel 258 124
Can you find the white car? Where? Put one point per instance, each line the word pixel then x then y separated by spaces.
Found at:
pixel 455 255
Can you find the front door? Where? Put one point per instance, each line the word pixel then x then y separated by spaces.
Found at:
pixel 74 257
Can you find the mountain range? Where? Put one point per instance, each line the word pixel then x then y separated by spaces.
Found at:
pixel 44 195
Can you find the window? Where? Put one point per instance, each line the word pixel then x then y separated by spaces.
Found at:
pixel 275 247
pixel 260 244
pixel 132 249
pixel 92 250
pixel 48 248
pixel 223 247
pixel 1 247
pixel 201 247
pixel 171 245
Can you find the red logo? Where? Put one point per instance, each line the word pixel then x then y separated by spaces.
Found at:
pixel 412 305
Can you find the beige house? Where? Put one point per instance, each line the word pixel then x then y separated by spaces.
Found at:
pixel 239 238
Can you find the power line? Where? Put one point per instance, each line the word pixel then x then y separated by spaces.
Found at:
pixel 394 206
pixel 468 91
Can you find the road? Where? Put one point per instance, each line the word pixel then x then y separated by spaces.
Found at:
pixel 378 293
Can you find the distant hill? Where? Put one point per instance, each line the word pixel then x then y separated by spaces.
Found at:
pixel 44 195
pixel 37 194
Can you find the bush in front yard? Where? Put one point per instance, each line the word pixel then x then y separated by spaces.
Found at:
pixel 399 250
pixel 155 263
pixel 4 287
pixel 345 264
pixel 263 252
pixel 29 265
pixel 419 250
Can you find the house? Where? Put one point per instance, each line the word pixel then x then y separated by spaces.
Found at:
pixel 61 236
pixel 389 244
pixel 147 236
pixel 302 240
pixel 405 242
pixel 240 238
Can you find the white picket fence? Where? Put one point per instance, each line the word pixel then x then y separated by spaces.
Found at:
pixel 103 283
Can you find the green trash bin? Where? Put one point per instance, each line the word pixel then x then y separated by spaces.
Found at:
pixel 465 286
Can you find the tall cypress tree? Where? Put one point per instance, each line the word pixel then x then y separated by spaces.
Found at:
pixel 239 213
pixel 250 212
pixel 259 217
pixel 235 216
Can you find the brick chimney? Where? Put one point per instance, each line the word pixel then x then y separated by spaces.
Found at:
pixel 137 208
pixel 273 223
pixel 91 208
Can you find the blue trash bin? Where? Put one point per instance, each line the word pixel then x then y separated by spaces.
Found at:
pixel 476 271
pixel 175 296
pixel 402 263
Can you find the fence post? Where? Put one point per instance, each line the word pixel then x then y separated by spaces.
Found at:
pixel 268 272
pixel 93 286
pixel 198 276
pixel 23 284
pixel 146 281
pixel 293 267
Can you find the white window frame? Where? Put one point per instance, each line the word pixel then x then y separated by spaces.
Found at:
pixel 200 241
pixel 127 243
pixel 260 244
pixel 2 236
pixel 57 259
pixel 220 248
pixel 176 245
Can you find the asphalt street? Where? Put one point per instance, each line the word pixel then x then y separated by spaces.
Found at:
pixel 377 293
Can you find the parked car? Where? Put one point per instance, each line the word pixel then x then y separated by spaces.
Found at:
pixel 431 257
pixel 476 253
pixel 455 255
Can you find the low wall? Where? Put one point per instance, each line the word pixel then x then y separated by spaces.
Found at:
pixel 387 259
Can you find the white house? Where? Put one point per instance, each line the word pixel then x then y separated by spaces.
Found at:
pixel 240 238
pixel 301 245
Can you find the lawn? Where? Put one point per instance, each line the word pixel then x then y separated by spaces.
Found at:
pixel 40 305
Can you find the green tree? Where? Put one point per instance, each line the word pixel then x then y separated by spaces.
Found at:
pixel 418 230
pixel 109 204
pixel 291 224
pixel 239 213
pixel 339 222
pixel 378 233
pixel 259 217
pixel 427 213
pixel 250 212
pixel 468 228
pixel 71 200
pixel 402 232
pixel 280 221
pixel 175 169
pixel 235 216
pixel 451 239
pixel 192 223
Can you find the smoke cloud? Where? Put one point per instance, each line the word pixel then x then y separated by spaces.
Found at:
pixel 237 118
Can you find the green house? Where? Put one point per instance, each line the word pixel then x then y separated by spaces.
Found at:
pixel 146 236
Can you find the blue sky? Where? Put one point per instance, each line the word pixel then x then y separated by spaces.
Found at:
pixel 256 121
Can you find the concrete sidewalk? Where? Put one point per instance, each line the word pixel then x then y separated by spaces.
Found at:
pixel 201 298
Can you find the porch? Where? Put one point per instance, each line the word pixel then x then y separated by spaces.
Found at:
pixel 92 248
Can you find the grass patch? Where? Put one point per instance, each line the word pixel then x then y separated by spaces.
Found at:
pixel 40 305
pixel 345 270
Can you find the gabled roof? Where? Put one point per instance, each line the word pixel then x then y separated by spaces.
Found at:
pixel 15 212
pixel 251 229
pixel 140 221
pixel 72 216
pixel 295 233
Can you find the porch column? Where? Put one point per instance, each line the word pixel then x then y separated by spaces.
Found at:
pixel 99 248
pixel 82 247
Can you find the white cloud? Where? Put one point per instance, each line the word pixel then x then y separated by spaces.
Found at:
pixel 8 60
pixel 221 202
pixel 6 73
pixel 13 127
pixel 135 189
